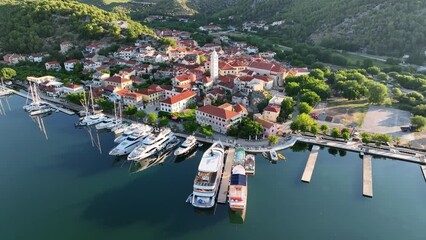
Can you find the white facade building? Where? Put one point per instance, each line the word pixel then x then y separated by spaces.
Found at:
pixel 214 66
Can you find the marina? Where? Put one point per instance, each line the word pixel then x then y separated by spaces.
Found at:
pixel 113 201
pixel 226 175
pixel 310 165
pixel 367 176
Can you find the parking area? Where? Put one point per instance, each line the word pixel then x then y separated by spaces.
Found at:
pixel 381 119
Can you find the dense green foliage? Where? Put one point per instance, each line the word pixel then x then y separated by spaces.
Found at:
pixel 7 73
pixel 287 108
pixel 418 121
pixel 30 26
pixel 273 139
pixel 303 122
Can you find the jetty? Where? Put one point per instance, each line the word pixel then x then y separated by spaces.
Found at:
pixel 226 177
pixel 423 168
pixel 310 164
pixel 367 176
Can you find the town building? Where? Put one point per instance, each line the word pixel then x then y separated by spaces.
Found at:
pixel 118 82
pixel 219 118
pixel 214 66
pixel 70 64
pixel 177 102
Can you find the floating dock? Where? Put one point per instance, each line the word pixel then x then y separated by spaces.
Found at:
pixel 226 177
pixel 423 168
pixel 367 176
pixel 310 164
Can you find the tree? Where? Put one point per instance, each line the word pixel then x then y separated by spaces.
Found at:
pixel 382 76
pixel 163 122
pixel 418 122
pixel 374 70
pixel 377 93
pixel 310 98
pixel 140 114
pixel 314 129
pixel 249 128
pixel 305 108
pixel 335 133
pixel 190 126
pixel 303 122
pixel 130 110
pixel 287 108
pixel 273 139
pixel 346 136
pixel 7 73
pixel 169 42
pixel 317 73
pixel 206 130
pixel 366 137
pixel 324 128
pixel 292 88
pixel 152 118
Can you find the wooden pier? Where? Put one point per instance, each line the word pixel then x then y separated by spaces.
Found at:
pixel 423 168
pixel 367 176
pixel 310 164
pixel 226 177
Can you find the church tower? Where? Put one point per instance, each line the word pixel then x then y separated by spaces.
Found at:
pixel 214 66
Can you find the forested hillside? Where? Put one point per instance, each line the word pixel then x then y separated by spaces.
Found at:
pixel 385 27
pixel 30 26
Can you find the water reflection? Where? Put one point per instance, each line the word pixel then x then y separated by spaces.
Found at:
pixel 94 138
pixel 38 119
pixel 146 163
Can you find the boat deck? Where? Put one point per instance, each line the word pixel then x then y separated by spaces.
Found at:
pixel 310 164
pixel 226 177
pixel 367 176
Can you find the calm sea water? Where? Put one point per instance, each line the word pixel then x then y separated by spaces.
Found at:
pixel 65 187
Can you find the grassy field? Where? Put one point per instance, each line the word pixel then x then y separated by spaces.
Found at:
pixel 348 111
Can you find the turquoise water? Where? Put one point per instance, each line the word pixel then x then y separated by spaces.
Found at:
pixel 65 188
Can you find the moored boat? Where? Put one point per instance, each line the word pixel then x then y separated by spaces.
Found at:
pixel 250 164
pixel 274 156
pixel 239 157
pixel 154 143
pixel 207 180
pixel 237 197
pixel 186 147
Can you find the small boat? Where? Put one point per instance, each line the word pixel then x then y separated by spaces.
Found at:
pixel 200 145
pixel 274 156
pixel 265 155
pixel 186 147
pixel 173 143
pixel 281 156
pixel 250 164
pixel 238 190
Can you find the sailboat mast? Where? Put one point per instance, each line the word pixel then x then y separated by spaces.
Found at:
pixel 91 100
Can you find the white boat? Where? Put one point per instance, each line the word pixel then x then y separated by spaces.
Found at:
pixel 128 145
pixel 134 128
pixel 172 143
pixel 115 122
pixel 186 147
pixel 207 180
pixel 274 156
pixel 104 123
pixel 93 119
pixel 237 197
pixel 119 128
pixel 250 164
pixel 40 111
pixel 154 143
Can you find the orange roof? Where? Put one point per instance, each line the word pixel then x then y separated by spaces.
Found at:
pixel 218 112
pixel 179 97
pixel 272 108
pixel 262 65
pixel 133 95
pixel 240 108
pixel 121 92
pixel 186 77
pixel 226 106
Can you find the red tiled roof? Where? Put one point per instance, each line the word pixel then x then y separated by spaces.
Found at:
pixel 240 108
pixel 177 98
pixel 117 79
pixel 226 106
pixel 72 61
pixel 218 112
pixel 266 124
pixel 245 78
pixel 262 65
pixel 133 95
pixel 148 91
pixel 272 108
pixel 121 92
pixel 263 78
pixel 185 77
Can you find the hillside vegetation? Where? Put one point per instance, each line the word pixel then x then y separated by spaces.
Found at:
pixel 30 26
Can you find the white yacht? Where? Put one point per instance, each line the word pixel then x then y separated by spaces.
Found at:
pixel 90 120
pixel 128 145
pixel 104 123
pixel 189 144
pixel 154 143
pixel 41 110
pixel 134 128
pixel 206 183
